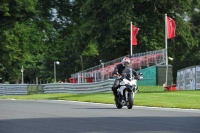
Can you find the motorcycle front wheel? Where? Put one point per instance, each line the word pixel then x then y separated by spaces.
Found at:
pixel 118 104
pixel 130 101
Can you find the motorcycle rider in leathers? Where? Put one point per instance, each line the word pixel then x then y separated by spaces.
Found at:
pixel 118 70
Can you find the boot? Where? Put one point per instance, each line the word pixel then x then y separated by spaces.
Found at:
pixel 115 95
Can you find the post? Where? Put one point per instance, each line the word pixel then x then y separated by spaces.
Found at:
pixel 54 72
pixel 36 79
pixel 166 53
pixel 57 62
pixel 22 71
pixel 103 71
pixel 95 76
pixel 102 63
pixel 81 61
pixel 131 41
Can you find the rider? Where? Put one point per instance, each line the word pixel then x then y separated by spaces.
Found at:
pixel 118 71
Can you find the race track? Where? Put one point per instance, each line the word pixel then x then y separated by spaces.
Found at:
pixel 48 116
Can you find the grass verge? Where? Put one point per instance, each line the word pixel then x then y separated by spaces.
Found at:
pixel 169 99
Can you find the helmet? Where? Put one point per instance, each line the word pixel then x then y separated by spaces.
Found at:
pixel 126 61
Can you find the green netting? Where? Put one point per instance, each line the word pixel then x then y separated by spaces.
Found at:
pixel 149 76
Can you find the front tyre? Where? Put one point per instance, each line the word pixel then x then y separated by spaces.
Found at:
pixel 118 104
pixel 130 101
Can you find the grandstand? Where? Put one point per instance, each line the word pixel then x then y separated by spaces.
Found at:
pixel 104 71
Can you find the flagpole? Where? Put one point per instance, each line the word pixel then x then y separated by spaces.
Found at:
pixel 166 48
pixel 131 41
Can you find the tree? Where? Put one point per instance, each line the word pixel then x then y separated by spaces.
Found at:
pixel 79 33
pixel 17 24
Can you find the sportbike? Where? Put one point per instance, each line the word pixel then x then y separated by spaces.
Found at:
pixel 127 89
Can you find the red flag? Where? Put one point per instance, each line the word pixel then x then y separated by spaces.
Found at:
pixel 134 32
pixel 171 27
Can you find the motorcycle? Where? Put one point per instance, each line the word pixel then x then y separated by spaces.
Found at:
pixel 127 89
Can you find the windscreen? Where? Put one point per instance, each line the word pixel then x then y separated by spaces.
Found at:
pixel 127 73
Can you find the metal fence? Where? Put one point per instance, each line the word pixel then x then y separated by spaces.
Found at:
pixel 13 89
pixel 104 70
pixel 25 89
pixel 78 88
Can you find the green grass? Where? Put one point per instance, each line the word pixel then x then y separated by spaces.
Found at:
pixel 169 99
pixel 150 88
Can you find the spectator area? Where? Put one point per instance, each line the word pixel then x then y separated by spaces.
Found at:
pixel 104 70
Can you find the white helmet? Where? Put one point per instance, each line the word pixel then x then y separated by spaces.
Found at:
pixel 126 61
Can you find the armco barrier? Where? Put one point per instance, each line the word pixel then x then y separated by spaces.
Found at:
pixel 2 91
pixel 24 89
pixel 79 88
pixel 13 89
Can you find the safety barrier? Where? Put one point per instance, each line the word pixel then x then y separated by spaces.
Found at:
pixel 13 89
pixel 24 89
pixel 79 88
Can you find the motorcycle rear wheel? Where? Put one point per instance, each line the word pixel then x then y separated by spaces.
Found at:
pixel 130 101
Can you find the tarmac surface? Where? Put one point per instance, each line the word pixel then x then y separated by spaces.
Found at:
pixel 49 116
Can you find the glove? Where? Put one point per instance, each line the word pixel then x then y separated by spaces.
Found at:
pixel 115 75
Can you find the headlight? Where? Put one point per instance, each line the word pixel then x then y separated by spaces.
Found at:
pixel 127 82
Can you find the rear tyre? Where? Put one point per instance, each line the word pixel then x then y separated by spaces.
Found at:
pixel 130 101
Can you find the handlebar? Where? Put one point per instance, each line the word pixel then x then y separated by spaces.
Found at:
pixel 138 77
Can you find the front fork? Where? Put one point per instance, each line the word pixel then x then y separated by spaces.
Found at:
pixel 126 95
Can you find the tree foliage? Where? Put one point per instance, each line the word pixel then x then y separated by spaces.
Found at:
pixel 78 33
